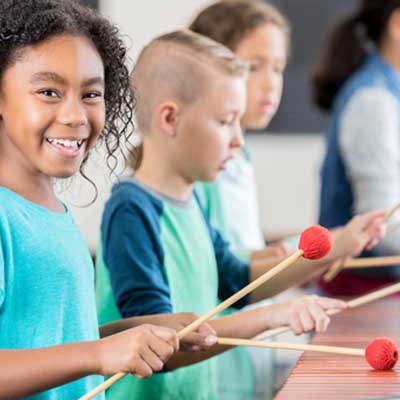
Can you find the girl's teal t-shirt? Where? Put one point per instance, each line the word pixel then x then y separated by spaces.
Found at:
pixel 46 284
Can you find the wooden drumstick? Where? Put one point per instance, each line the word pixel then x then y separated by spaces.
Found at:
pixel 391 212
pixel 362 262
pixel 359 301
pixel 372 262
pixel 291 346
pixel 392 227
pixel 315 243
pixel 334 270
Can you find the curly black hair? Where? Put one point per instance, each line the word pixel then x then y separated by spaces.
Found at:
pixel 27 22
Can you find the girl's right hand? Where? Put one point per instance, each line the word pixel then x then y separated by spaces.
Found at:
pixel 139 351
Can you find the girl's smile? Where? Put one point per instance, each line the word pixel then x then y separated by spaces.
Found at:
pixel 67 147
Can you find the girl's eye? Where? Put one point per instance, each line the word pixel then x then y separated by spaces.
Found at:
pixel 93 95
pixel 49 93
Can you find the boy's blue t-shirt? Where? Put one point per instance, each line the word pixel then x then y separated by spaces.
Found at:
pixel 161 256
pixel 46 284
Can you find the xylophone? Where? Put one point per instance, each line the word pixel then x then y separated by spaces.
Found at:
pixel 325 377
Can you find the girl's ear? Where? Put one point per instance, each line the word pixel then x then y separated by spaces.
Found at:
pixel 168 117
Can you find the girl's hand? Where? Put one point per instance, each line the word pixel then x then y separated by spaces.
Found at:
pixel 309 313
pixel 139 351
pixel 363 231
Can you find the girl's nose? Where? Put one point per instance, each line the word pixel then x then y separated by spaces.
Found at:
pixel 73 114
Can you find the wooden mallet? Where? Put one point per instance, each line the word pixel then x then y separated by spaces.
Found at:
pixel 315 243
pixel 365 262
pixel 381 353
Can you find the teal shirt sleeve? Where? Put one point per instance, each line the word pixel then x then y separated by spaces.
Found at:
pixel 233 274
pixel 2 268
pixel 4 239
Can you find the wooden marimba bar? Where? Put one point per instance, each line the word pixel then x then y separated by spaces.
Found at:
pixel 327 376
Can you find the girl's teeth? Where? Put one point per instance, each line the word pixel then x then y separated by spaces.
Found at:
pixel 66 142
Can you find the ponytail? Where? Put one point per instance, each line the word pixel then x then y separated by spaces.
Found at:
pixel 348 47
pixel 344 54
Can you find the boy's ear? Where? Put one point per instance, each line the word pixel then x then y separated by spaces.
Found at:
pixel 393 27
pixel 168 117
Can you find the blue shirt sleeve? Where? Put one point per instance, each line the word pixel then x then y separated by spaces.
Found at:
pixel 134 256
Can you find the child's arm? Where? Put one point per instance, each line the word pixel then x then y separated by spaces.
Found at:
pixel 304 314
pixel 363 231
pixel 275 251
pixel 139 351
pixel 201 339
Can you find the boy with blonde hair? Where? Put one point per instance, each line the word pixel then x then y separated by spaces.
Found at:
pixel 160 253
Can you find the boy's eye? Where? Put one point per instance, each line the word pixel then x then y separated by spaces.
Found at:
pixel 226 122
pixel 49 93
pixel 254 67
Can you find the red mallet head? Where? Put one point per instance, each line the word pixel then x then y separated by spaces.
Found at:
pixel 382 353
pixel 315 242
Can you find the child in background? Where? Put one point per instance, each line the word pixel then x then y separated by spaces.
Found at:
pixel 357 80
pixel 258 34
pixel 161 254
pixel 63 85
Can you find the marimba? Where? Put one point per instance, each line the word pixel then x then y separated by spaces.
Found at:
pixel 328 376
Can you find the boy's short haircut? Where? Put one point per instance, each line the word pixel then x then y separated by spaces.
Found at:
pixel 179 65
pixel 230 21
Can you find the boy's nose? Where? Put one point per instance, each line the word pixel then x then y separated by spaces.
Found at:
pixel 237 138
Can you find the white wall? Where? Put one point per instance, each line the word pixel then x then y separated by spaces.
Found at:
pixel 287 174
pixel 142 20
pixel 286 165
